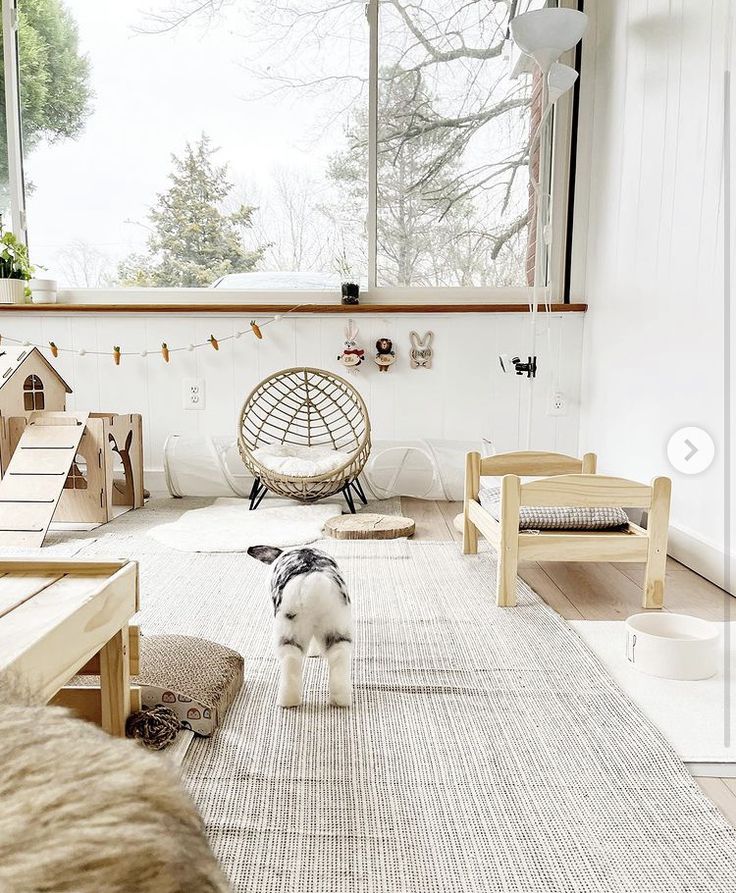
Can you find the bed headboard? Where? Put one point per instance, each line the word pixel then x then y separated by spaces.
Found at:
pixel 530 463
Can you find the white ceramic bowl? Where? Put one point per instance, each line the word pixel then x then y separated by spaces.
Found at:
pixel 673 646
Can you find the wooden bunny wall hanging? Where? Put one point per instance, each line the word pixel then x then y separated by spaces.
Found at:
pixel 352 355
pixel 385 354
pixel 420 355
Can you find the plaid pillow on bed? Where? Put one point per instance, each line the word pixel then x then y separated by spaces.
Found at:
pixel 538 517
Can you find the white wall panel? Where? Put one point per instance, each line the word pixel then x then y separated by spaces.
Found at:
pixel 648 245
pixel 464 396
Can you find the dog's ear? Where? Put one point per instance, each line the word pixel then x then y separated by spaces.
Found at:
pixel 266 554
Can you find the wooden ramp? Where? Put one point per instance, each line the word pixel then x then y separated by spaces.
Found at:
pixel 32 486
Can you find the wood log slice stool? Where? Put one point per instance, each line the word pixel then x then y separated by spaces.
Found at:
pixel 369 526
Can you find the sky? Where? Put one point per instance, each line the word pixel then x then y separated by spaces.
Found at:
pixel 152 93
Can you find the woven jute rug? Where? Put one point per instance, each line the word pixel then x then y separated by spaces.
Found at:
pixel 487 749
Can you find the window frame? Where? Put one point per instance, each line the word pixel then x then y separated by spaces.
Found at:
pixel 16 179
pixel 558 167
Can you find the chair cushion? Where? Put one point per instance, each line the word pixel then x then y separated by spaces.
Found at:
pixel 538 517
pixel 294 460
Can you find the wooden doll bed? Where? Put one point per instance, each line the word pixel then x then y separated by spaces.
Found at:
pixel 566 481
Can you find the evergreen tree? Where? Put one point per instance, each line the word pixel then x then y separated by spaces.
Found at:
pixel 54 78
pixel 192 241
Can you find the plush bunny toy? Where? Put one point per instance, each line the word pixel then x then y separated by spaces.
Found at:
pixel 420 356
pixel 352 355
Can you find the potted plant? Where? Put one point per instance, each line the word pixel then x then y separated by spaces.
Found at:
pixel 15 269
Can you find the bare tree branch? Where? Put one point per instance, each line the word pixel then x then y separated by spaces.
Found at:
pixel 462 52
pixel 180 13
pixel 453 129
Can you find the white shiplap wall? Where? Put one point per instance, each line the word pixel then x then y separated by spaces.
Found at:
pixel 463 397
pixel 649 248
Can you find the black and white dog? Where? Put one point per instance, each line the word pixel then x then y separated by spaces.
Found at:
pixel 310 605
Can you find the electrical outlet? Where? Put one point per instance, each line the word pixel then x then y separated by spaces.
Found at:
pixel 557 404
pixel 193 393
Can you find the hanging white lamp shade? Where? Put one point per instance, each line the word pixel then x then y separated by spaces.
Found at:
pixel 559 80
pixel 545 34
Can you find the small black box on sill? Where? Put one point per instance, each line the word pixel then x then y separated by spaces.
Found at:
pixel 350 293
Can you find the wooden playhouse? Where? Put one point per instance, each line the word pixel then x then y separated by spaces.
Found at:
pixel 72 466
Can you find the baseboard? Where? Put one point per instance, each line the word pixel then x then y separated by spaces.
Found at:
pixel 704 557
pixel 712 770
pixel 154 480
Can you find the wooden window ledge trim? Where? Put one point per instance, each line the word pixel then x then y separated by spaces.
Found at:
pixel 273 309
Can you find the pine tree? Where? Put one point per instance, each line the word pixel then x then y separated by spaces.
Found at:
pixel 54 76
pixel 192 241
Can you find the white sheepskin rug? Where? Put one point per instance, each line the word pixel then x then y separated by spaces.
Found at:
pixel 229 526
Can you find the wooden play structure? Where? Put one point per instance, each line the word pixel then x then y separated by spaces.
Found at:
pixel 63 618
pixel 566 482
pixel 28 383
pixel 77 467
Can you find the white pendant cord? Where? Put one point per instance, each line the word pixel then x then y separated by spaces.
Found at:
pixel 544 35
pixel 540 236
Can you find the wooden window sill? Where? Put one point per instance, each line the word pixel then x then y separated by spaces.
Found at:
pixel 271 309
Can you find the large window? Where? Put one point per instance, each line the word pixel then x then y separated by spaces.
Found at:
pixel 263 146
pixel 453 131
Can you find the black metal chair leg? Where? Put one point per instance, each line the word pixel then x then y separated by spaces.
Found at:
pixel 359 490
pixel 349 498
pixel 257 492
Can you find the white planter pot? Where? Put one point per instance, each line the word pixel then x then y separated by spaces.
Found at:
pixel 673 646
pixel 12 291
pixel 43 291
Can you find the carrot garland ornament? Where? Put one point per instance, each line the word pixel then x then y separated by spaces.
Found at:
pixel 166 351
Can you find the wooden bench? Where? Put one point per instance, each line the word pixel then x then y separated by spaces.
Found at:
pixel 60 618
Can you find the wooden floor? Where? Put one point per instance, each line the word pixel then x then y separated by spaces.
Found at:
pixel 575 591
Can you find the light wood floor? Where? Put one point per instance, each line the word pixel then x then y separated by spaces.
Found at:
pixel 575 591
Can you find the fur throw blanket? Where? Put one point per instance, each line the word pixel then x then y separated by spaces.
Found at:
pixel 81 812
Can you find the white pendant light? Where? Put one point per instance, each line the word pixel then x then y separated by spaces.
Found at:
pixel 559 80
pixel 545 34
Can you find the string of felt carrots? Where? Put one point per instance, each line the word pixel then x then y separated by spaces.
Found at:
pixel 255 328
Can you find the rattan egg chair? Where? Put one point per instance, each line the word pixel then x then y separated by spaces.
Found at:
pixel 305 407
